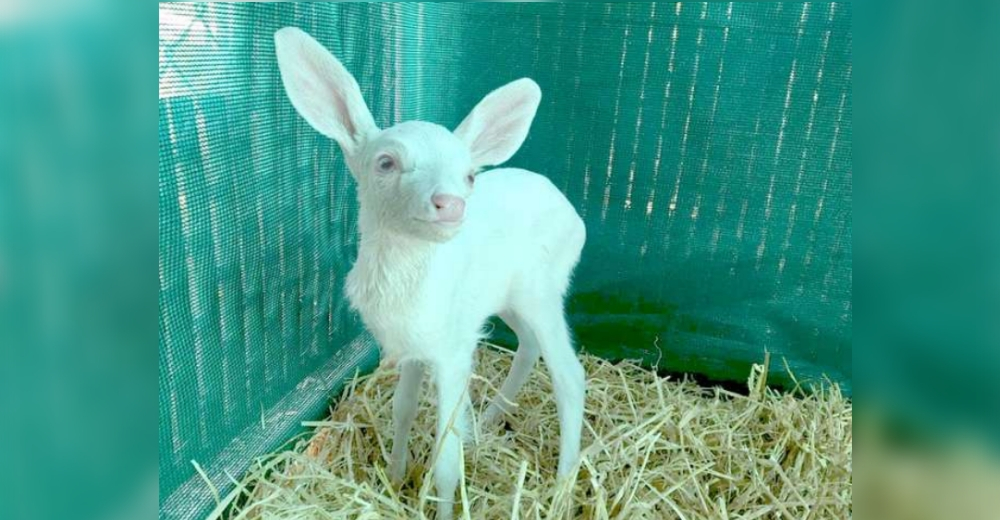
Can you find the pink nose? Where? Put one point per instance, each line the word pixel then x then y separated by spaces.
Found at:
pixel 449 207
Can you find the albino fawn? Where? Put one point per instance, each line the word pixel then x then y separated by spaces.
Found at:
pixel 444 247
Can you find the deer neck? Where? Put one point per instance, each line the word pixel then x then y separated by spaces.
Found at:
pixel 390 267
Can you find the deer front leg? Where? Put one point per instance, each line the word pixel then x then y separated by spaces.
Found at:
pixel 404 410
pixel 452 382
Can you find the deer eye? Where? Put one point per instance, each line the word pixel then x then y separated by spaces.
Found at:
pixel 385 163
pixel 471 179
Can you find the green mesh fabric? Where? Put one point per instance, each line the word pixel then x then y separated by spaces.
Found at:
pixel 707 146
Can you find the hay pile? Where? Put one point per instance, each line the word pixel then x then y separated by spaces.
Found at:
pixel 652 448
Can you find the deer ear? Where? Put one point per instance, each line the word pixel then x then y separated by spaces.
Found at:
pixel 497 127
pixel 322 90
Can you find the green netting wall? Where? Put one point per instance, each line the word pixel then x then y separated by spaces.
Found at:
pixel 707 146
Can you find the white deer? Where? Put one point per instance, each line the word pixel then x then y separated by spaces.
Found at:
pixel 444 247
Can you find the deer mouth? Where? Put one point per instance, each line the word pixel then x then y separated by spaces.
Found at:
pixel 442 223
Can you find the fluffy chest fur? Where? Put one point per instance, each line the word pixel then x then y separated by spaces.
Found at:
pixel 408 300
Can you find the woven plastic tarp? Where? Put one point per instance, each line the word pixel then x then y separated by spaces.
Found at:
pixel 707 146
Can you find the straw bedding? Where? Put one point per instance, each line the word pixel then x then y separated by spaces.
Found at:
pixel 652 448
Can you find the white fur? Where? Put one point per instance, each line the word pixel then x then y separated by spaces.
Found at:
pixel 424 288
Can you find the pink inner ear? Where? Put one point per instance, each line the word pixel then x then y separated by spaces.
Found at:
pixel 324 87
pixel 499 123
pixel 343 115
pixel 495 137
